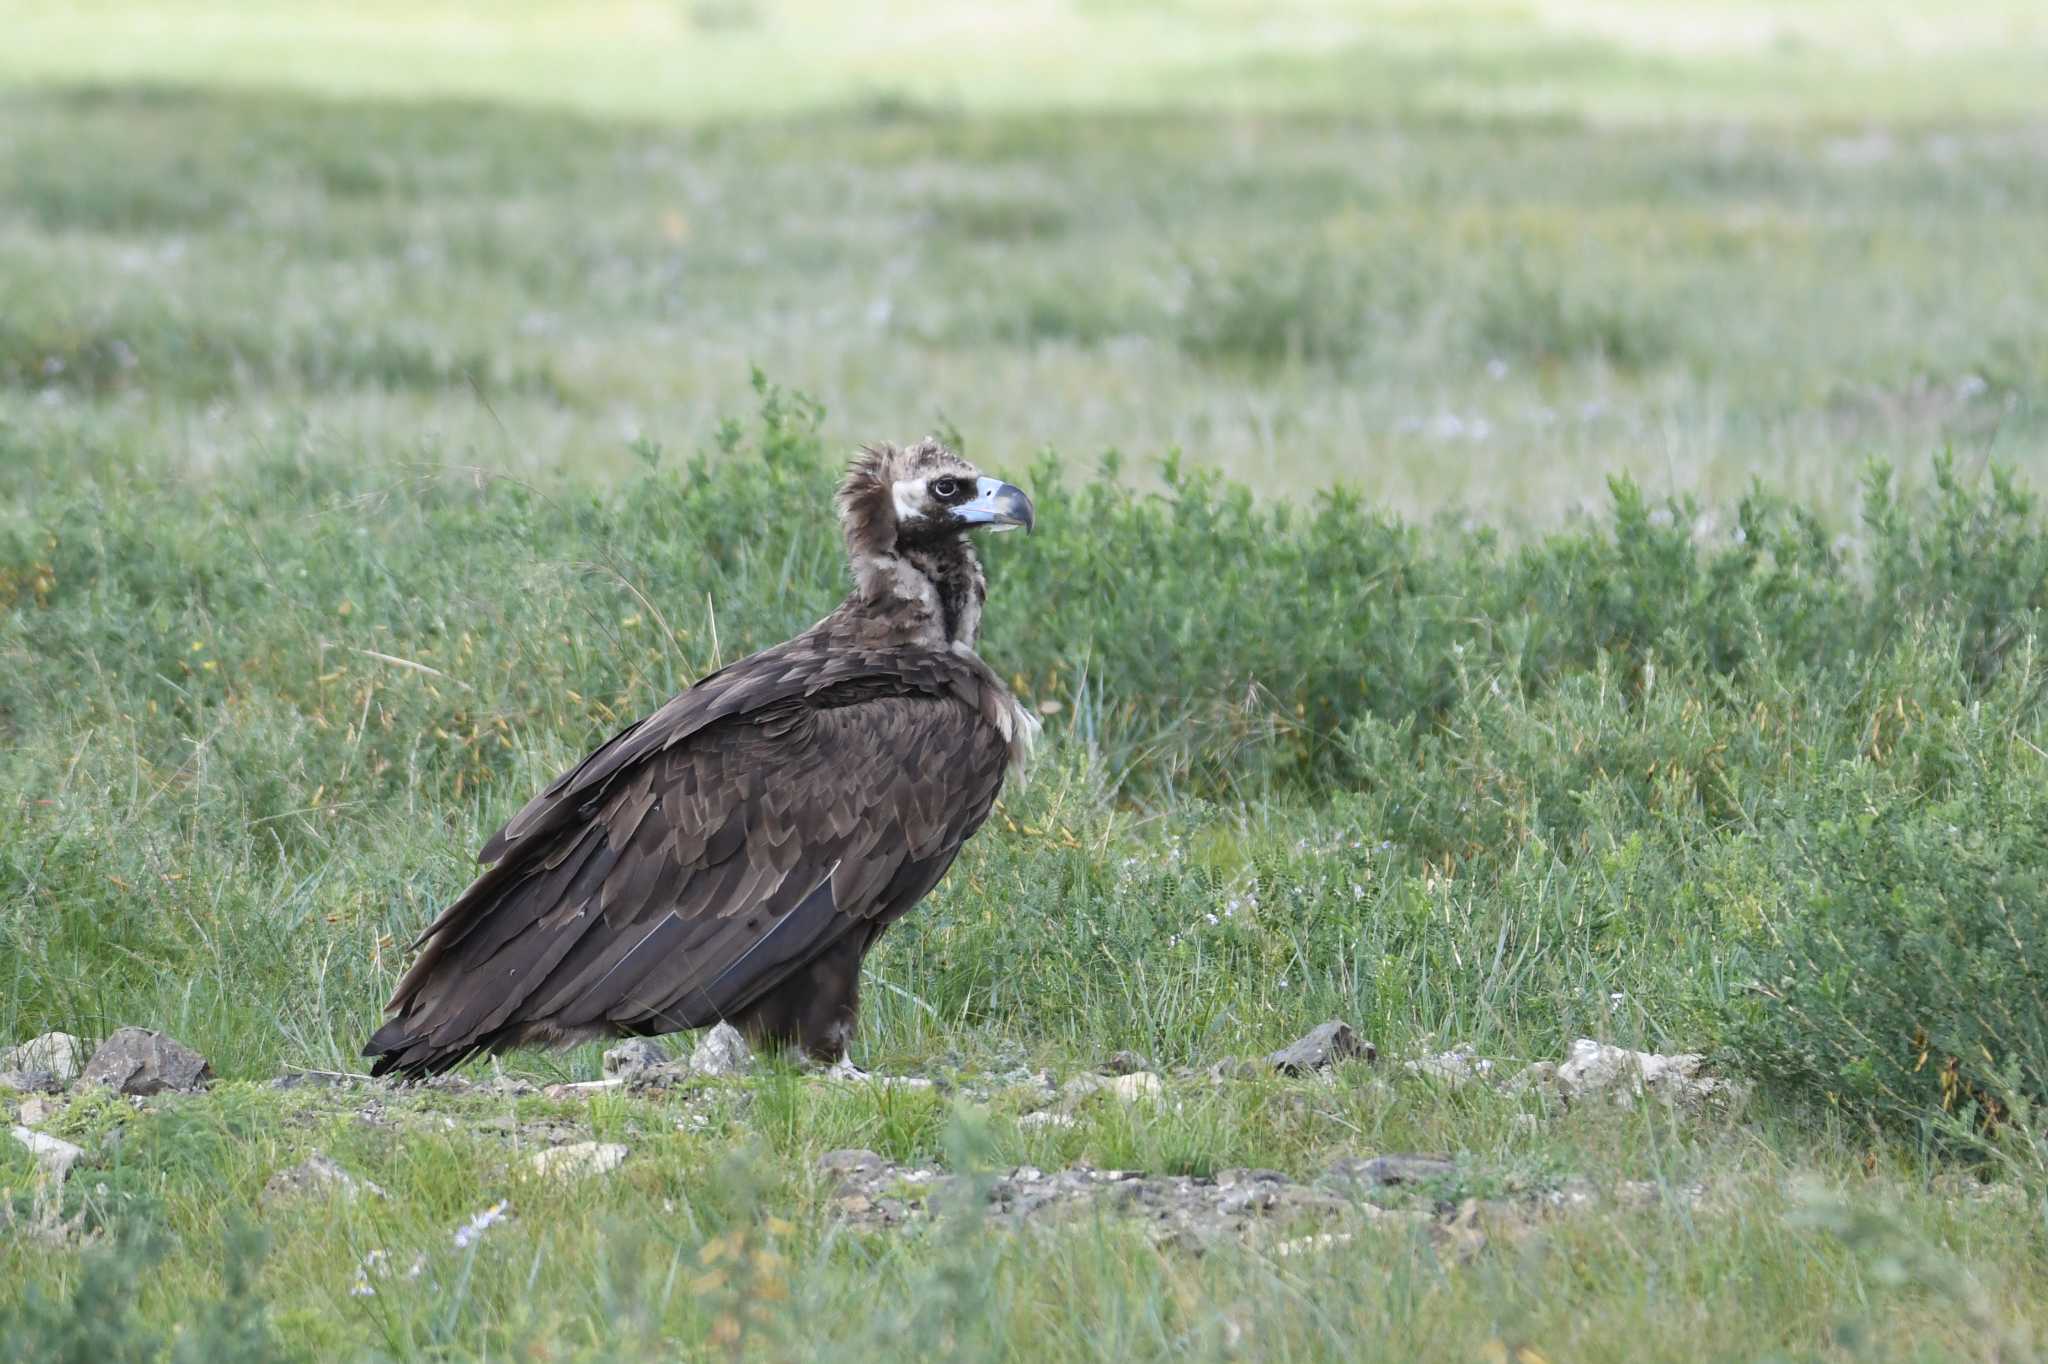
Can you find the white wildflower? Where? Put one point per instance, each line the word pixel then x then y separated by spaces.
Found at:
pixel 467 1234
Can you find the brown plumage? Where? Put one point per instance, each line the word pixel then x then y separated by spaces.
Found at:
pixel 735 854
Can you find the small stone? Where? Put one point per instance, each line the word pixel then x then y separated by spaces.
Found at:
pixel 143 1061
pixel 1386 1171
pixel 53 1155
pixel 1124 1063
pixel 1625 1076
pixel 584 1089
pixel 1031 1122
pixel 722 1051
pixel 1021 1078
pixel 634 1056
pixel 59 1053
pixel 1304 1245
pixel 1325 1045
pixel 1079 1088
pixel 1456 1066
pixel 316 1175
pixel 579 1159
pixel 35 1111
pixel 508 1086
pixel 851 1162
pixel 1141 1084
pixel 1238 1174
pixel 31 1082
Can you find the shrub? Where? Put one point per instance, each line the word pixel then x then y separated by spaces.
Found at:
pixel 1903 972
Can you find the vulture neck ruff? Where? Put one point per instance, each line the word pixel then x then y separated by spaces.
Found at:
pixel 920 588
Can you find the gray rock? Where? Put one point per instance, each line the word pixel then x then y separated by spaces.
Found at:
pixel 722 1051
pixel 1124 1063
pixel 1624 1076
pixel 35 1111
pixel 1080 1087
pixel 852 1162
pixel 53 1155
pixel 1379 1172
pixel 142 1061
pixel 1456 1066
pixel 1139 1084
pixel 1325 1045
pixel 316 1176
pixel 58 1053
pixel 30 1081
pixel 633 1057
pixel 579 1159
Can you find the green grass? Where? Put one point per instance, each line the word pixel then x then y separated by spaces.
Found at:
pixel 1442 310
pixel 1585 787
pixel 377 433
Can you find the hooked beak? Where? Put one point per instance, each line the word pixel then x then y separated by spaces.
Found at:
pixel 996 505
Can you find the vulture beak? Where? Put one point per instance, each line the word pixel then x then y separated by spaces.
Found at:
pixel 996 505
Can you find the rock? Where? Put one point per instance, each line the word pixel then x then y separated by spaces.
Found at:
pixel 850 1162
pixel 1139 1084
pixel 634 1057
pixel 34 1111
pixel 579 1159
pixel 1031 1122
pixel 53 1155
pixel 1596 1068
pixel 1456 1066
pixel 1079 1088
pixel 142 1061
pixel 1021 1078
pixel 1379 1172
pixel 59 1053
pixel 1306 1245
pixel 316 1175
pixel 31 1081
pixel 584 1089
pixel 1124 1063
pixel 847 1072
pixel 1327 1044
pixel 722 1051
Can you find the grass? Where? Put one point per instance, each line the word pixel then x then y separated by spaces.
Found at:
pixel 1443 309
pixel 377 432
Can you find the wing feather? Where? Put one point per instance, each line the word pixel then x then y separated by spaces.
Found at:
pixel 702 855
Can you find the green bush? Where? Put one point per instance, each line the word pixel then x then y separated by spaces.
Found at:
pixel 100 1321
pixel 1450 782
pixel 1902 973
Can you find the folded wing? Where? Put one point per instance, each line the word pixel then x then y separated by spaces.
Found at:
pixel 699 858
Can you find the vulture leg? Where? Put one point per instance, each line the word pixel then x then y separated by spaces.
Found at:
pixel 814 1009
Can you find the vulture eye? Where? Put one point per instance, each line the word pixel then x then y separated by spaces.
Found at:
pixel 945 489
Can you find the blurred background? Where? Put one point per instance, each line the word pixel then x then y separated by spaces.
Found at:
pixel 1470 255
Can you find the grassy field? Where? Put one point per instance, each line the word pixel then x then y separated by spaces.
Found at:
pixel 379 428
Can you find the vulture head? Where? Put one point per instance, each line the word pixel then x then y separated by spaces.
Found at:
pixel 907 513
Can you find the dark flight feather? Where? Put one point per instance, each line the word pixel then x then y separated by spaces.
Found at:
pixel 733 855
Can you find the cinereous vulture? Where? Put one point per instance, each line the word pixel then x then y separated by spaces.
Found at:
pixel 734 855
